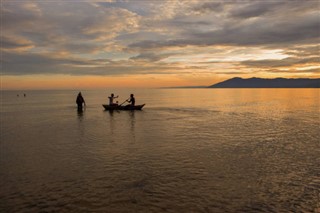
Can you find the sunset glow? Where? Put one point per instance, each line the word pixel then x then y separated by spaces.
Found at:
pixel 116 43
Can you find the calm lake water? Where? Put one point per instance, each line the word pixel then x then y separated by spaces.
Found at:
pixel 188 150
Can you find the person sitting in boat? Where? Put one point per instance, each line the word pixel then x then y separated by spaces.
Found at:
pixel 131 100
pixel 111 98
pixel 80 101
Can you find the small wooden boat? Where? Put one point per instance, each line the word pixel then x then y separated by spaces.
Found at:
pixel 119 107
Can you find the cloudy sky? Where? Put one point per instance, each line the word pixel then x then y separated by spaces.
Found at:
pixel 152 43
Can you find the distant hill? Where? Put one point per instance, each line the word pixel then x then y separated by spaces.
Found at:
pixel 268 83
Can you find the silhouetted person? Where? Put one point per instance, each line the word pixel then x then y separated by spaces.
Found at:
pixel 80 101
pixel 111 98
pixel 24 95
pixel 132 100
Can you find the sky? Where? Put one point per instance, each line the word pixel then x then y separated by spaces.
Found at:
pixel 74 44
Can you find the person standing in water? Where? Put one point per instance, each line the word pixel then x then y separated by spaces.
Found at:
pixel 111 98
pixel 80 101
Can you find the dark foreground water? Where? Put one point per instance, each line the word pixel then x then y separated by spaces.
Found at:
pixel 189 150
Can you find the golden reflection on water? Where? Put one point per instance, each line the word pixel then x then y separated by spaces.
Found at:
pixel 199 150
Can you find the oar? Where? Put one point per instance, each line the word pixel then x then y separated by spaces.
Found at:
pixel 124 102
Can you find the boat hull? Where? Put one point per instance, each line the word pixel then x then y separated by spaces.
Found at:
pixel 128 107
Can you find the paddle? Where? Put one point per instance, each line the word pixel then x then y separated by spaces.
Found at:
pixel 124 102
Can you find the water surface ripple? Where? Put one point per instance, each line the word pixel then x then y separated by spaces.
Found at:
pixel 235 151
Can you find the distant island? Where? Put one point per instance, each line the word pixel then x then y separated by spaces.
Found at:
pixel 268 83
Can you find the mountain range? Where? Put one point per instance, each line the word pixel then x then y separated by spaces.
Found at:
pixel 268 83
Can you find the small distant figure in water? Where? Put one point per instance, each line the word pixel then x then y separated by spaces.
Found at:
pixel 24 95
pixel 111 98
pixel 131 100
pixel 80 101
pixel 17 95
